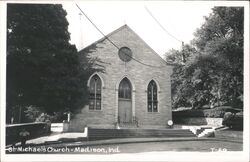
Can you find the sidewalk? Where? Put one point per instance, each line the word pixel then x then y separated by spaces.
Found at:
pixel 126 141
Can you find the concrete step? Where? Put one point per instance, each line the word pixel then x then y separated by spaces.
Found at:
pixel 127 125
pixel 56 127
pixel 137 133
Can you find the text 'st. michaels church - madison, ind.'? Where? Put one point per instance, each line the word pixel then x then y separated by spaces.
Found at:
pixel 133 90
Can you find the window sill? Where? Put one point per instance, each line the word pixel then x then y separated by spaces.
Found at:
pixel 124 99
pixel 95 110
pixel 153 112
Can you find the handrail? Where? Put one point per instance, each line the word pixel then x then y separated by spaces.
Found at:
pixel 135 121
pixel 23 124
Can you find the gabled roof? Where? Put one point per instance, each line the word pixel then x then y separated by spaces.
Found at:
pixel 117 30
pixel 104 38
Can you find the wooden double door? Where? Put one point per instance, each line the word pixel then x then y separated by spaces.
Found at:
pixel 125 101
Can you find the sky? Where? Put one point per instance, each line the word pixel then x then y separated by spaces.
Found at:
pixel 179 18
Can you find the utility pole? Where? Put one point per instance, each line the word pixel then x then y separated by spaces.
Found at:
pixel 20 114
pixel 183 55
pixel 80 35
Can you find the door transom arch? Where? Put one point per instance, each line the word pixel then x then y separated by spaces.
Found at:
pixel 125 100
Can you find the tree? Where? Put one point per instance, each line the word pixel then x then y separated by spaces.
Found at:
pixel 43 68
pixel 215 75
pixel 222 37
pixel 179 57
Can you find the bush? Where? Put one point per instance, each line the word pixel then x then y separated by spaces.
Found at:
pixel 55 118
pixel 35 130
pixel 214 113
pixel 36 114
pixel 217 112
pixel 227 117
pixel 188 113
pixel 233 121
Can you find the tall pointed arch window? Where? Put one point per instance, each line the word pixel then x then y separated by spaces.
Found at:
pixel 95 93
pixel 125 89
pixel 152 97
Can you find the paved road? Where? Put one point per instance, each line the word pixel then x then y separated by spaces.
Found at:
pixel 203 146
pixel 223 141
pixel 200 146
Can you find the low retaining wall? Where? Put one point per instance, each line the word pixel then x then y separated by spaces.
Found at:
pixel 35 130
pixel 199 121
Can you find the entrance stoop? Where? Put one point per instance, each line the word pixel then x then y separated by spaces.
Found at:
pixel 98 134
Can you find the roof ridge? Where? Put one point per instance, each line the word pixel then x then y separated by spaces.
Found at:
pixel 117 30
pixel 149 46
pixel 105 37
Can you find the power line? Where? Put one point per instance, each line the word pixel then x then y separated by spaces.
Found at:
pixel 182 43
pixel 113 42
pixel 150 13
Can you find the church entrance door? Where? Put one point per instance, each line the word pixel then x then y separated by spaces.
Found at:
pixel 125 102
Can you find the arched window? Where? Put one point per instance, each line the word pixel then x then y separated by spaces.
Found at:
pixel 95 93
pixel 152 97
pixel 125 89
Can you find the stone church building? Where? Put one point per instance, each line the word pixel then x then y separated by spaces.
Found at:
pixel 133 90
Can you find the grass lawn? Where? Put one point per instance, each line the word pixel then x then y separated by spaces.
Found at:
pixel 229 135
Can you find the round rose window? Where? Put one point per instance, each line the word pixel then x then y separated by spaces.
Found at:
pixel 125 54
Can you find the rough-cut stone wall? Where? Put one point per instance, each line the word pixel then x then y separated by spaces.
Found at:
pixel 199 121
pixel 139 76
